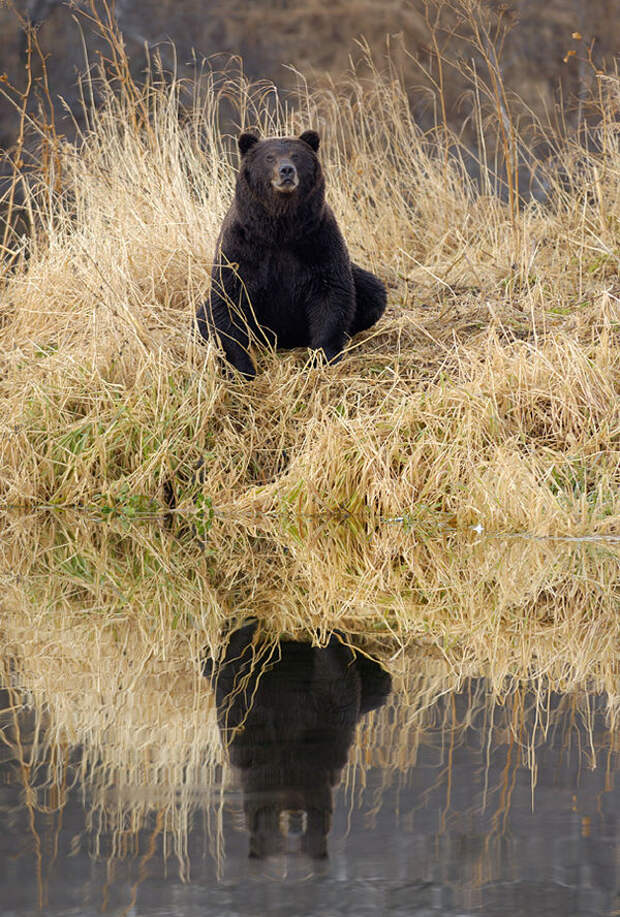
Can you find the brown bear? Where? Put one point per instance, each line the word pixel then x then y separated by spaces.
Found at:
pixel 282 272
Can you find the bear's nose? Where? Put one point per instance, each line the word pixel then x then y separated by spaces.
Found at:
pixel 286 170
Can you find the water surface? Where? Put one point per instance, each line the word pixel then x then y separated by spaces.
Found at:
pixel 471 807
pixel 153 764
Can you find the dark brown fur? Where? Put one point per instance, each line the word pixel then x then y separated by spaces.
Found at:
pixel 282 273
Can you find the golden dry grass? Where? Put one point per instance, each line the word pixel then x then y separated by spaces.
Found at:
pixel 496 363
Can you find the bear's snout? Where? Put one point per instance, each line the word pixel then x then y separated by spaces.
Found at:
pixel 287 171
pixel 285 177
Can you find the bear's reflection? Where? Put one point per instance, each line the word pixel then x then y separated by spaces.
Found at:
pixel 287 714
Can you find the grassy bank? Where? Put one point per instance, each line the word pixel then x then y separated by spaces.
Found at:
pixel 487 395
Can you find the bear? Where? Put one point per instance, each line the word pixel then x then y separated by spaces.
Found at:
pixel 282 273
pixel 287 714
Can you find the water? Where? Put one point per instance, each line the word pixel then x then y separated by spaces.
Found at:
pixel 355 793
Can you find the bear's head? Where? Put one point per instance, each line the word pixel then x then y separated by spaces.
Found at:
pixel 284 167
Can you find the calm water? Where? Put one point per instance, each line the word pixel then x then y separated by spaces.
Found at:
pixel 340 792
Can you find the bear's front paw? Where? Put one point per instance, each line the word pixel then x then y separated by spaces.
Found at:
pixel 247 371
pixel 330 355
pixel 318 356
pixel 244 367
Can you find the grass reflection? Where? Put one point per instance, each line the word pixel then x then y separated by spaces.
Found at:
pixel 504 608
pixel 496 648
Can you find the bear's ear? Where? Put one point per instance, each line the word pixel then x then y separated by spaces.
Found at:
pixel 312 139
pixel 246 141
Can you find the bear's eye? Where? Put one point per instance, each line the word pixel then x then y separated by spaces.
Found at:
pixel 294 156
pixel 270 157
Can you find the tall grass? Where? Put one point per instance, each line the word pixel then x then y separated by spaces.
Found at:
pixel 497 360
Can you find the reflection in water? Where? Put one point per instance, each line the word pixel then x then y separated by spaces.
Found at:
pixel 457 795
pixel 451 801
pixel 287 713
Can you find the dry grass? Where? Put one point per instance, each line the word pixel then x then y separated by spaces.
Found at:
pixel 345 496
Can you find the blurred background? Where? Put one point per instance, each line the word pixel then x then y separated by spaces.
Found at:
pixel 548 57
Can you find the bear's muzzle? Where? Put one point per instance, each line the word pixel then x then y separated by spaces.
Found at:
pixel 285 178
